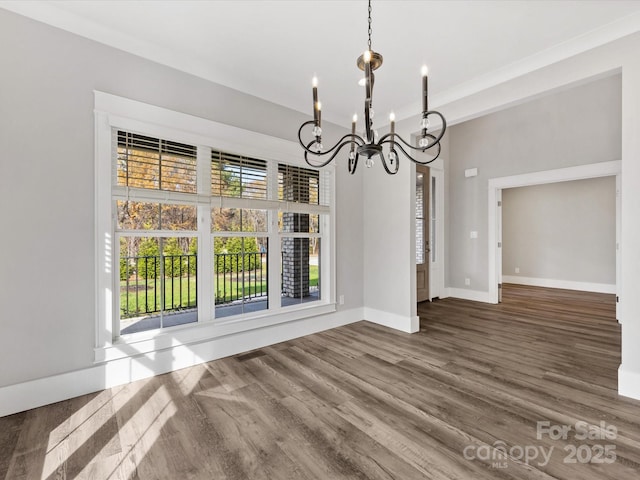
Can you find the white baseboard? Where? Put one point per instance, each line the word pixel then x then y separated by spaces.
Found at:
pixel 392 320
pixel 628 383
pixel 43 391
pixel 464 294
pixel 564 284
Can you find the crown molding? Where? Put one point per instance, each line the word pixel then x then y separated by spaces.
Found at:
pixel 51 14
pixel 595 38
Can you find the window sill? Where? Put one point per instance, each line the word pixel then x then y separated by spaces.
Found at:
pixel 153 341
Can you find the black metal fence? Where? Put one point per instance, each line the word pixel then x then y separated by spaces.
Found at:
pixel 150 284
pixel 240 276
pixel 143 280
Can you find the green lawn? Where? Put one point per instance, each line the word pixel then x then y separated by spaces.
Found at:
pixel 140 299
pixel 232 290
pixel 184 293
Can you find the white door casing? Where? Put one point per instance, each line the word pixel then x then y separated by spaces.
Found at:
pixel 594 170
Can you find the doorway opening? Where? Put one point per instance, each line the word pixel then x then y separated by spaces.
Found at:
pixel 560 235
pixel 497 257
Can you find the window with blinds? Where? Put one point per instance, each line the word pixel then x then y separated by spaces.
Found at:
pixel 156 164
pixel 238 176
pixel 301 185
pixel 188 234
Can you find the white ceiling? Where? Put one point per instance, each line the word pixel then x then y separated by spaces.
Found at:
pixel 272 49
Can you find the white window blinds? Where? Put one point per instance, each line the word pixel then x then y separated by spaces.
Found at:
pixel 302 185
pixel 155 164
pixel 237 176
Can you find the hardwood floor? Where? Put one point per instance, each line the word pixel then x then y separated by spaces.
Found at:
pixel 365 402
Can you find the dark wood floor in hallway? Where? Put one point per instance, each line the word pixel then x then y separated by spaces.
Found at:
pixel 366 402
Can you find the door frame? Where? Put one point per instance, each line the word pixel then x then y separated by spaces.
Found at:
pixel 426 231
pixel 436 269
pixel 436 275
pixel 594 170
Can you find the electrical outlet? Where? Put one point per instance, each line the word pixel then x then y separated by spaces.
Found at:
pixel 341 300
pixel 467 281
pixel 473 234
pixel 517 269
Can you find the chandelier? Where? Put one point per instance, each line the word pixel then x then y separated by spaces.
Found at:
pixel 369 144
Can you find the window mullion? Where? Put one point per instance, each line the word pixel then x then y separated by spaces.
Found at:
pixel 274 259
pixel 274 252
pixel 205 240
pixel 105 140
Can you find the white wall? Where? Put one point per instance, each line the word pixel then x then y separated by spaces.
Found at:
pixel 389 248
pixel 47 290
pixel 629 306
pixel 561 234
pixel 554 131
pixel 618 56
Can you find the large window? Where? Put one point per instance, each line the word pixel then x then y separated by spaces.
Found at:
pixel 191 234
pixel 159 237
pixel 157 277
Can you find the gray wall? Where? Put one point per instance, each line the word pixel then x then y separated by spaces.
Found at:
pixel 571 127
pixel 561 231
pixel 47 290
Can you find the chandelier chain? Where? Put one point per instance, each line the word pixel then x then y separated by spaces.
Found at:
pixel 369 31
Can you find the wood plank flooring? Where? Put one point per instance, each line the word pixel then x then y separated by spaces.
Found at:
pixel 365 402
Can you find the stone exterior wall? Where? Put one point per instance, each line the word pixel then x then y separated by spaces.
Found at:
pixel 295 251
pixel 295 258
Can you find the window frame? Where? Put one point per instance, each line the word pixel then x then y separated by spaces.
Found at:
pixel 117 113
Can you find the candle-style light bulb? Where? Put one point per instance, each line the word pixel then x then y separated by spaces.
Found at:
pixel 392 119
pixel 425 83
pixel 367 56
pixel 317 117
pixel 314 83
pixel 318 129
pixel 354 120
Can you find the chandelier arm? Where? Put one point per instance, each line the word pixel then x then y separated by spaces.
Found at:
pixel 442 119
pixel 433 159
pixel 386 139
pixel 387 169
pixel 419 149
pixel 418 162
pixel 355 138
pixel 337 147
pixel 436 140
pixel 352 165
pixel 300 134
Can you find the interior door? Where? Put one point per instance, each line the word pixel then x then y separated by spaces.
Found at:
pixel 423 183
